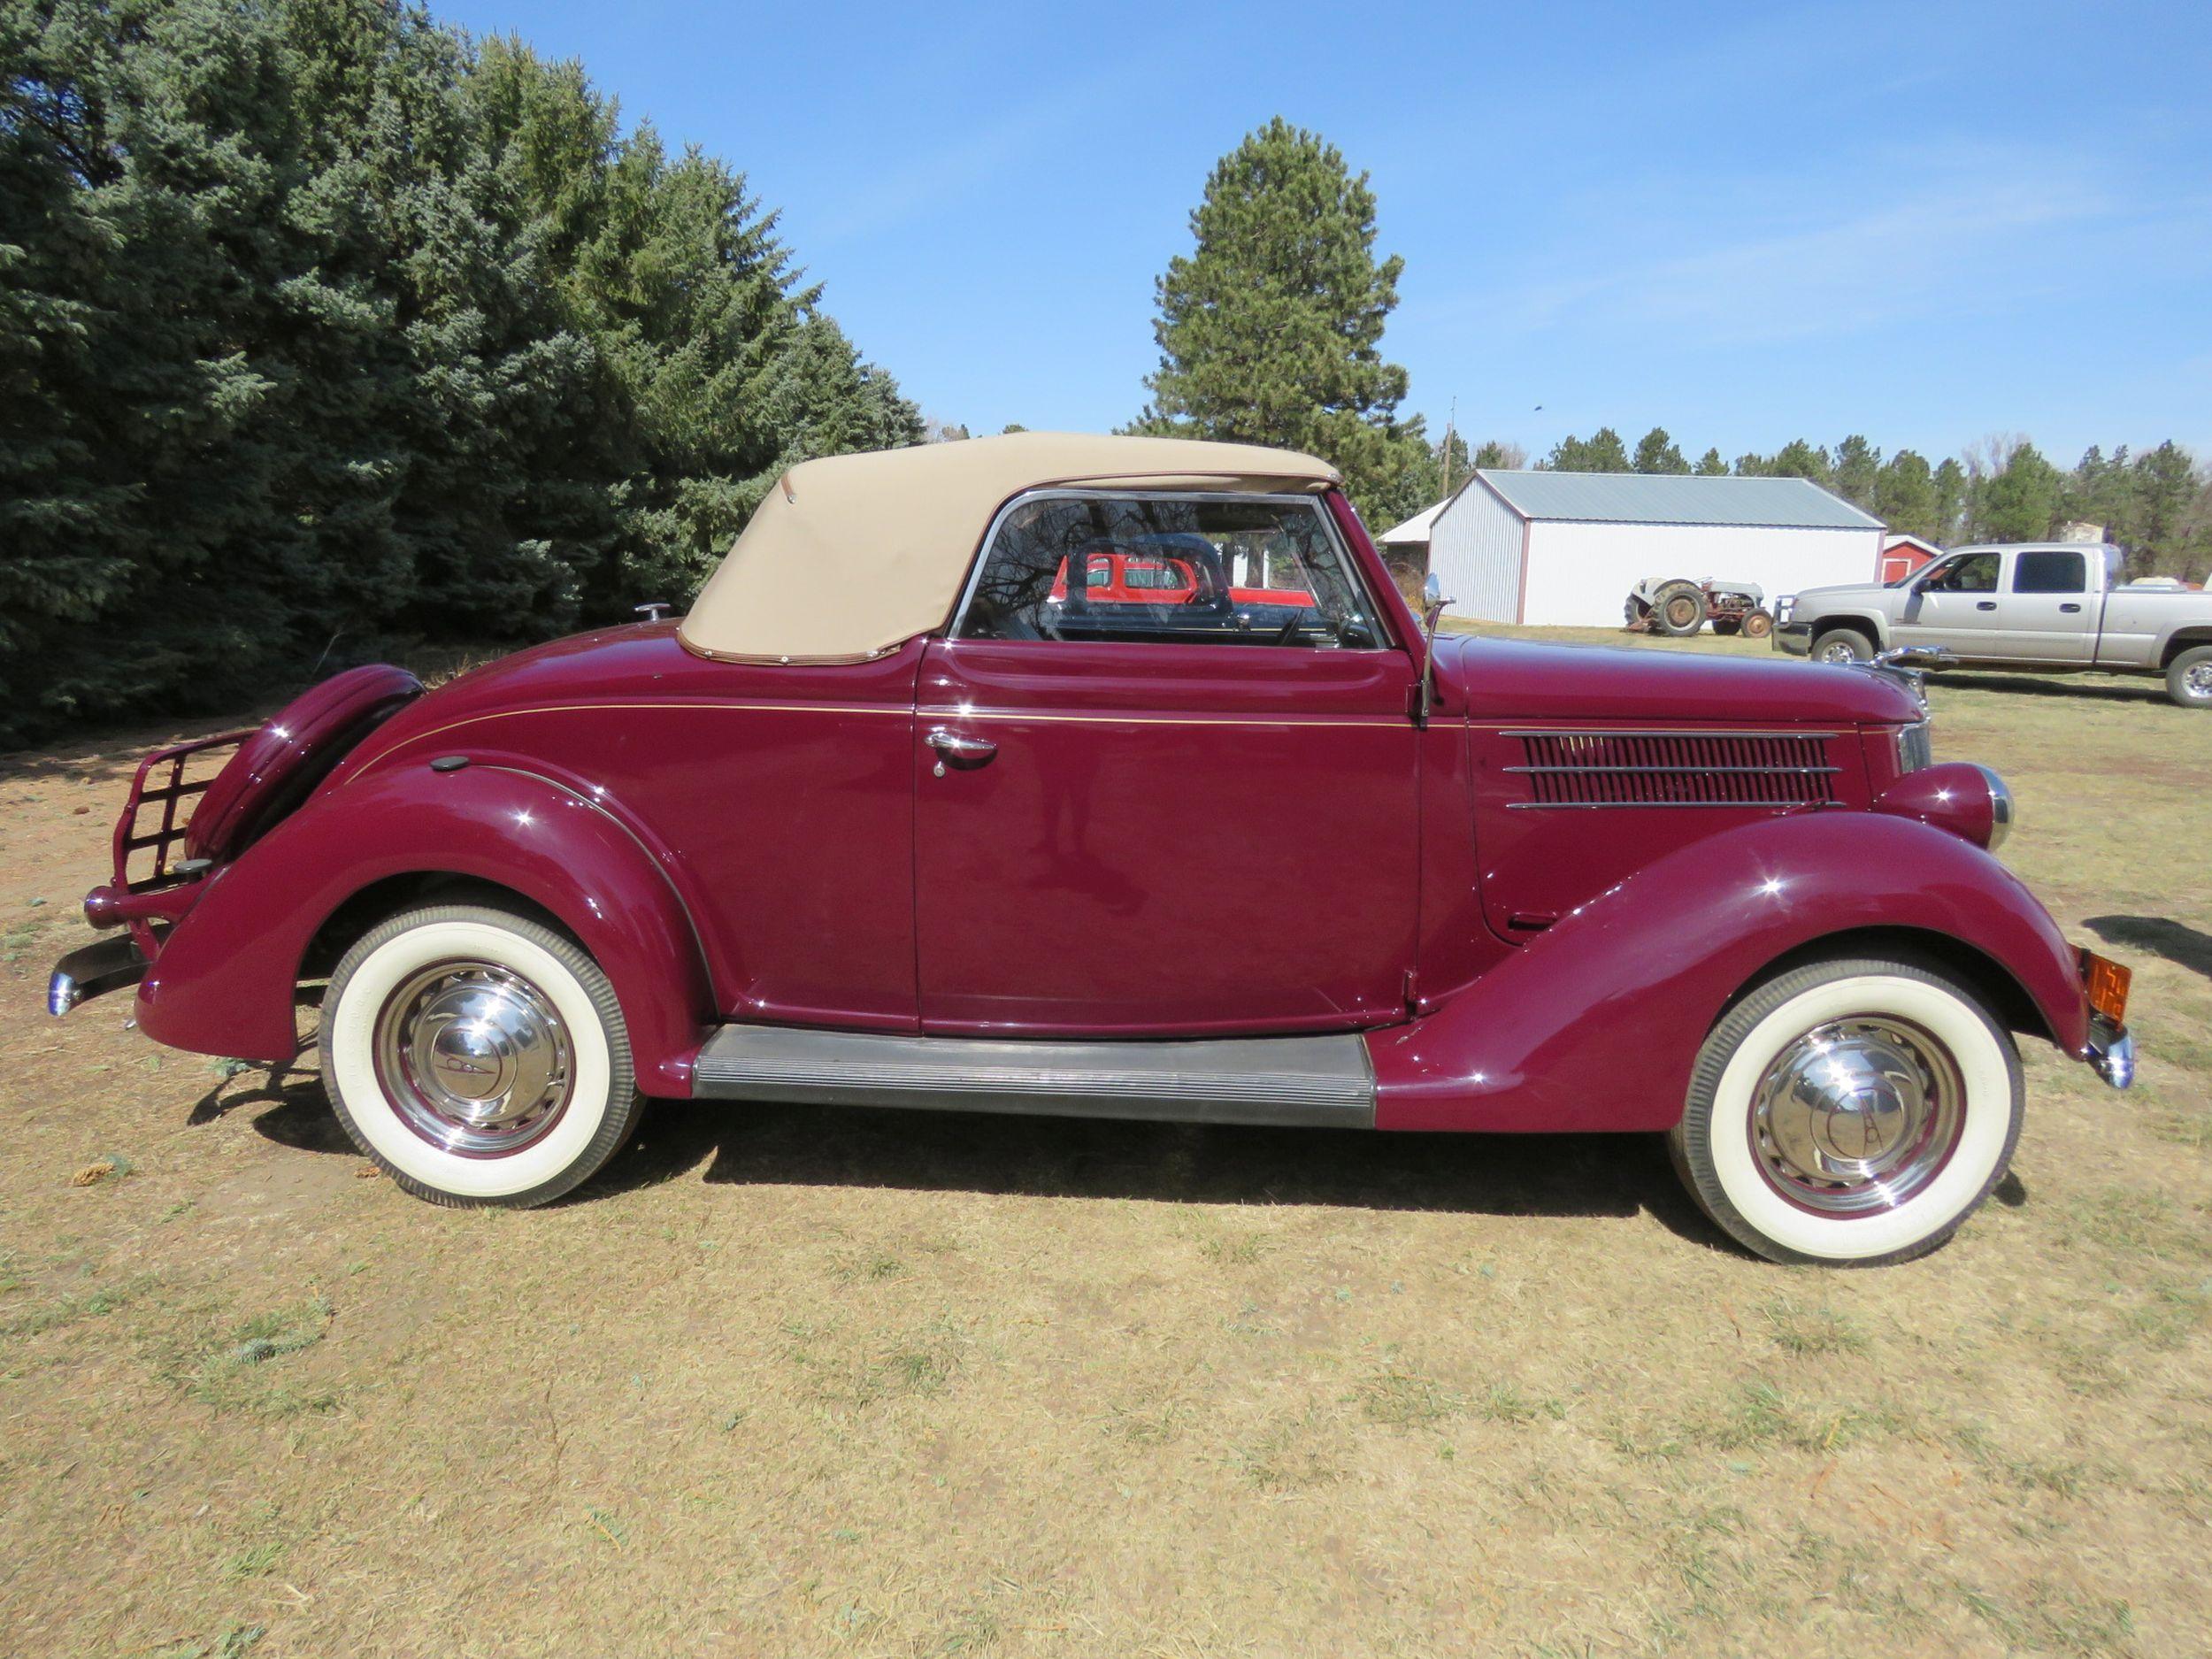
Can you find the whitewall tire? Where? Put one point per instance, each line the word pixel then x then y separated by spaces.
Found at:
pixel 478 1056
pixel 1852 1112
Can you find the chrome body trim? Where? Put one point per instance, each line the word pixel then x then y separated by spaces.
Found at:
pixel 2002 811
pixel 2111 1052
pixel 1676 770
pixel 1665 806
pixel 1655 731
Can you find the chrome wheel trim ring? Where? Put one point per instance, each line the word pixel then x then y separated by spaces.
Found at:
pixel 1857 1116
pixel 1839 654
pixel 473 1058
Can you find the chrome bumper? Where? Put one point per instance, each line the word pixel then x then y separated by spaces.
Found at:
pixel 2111 1053
pixel 94 970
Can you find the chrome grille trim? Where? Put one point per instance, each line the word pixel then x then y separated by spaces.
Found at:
pixel 1587 769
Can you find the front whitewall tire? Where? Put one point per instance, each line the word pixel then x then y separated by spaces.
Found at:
pixel 1718 1148
pixel 599 1106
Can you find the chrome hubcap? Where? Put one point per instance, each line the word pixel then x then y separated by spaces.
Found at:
pixel 1839 654
pixel 474 1058
pixel 2199 681
pixel 1857 1116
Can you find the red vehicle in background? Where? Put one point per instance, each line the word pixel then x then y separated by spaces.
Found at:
pixel 1164 571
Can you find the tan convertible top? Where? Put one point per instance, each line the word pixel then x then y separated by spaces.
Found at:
pixel 849 556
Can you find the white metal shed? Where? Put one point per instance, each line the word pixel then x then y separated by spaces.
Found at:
pixel 1564 548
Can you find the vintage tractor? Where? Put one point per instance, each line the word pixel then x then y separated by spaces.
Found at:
pixel 1678 606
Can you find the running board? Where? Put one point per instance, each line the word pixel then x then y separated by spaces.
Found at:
pixel 1312 1082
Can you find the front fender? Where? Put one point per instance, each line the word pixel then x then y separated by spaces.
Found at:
pixel 223 982
pixel 1595 1024
pixel 1873 623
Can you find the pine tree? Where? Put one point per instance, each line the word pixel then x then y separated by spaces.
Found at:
pixel 1656 452
pixel 1601 452
pixel 1800 459
pixel 322 329
pixel 1271 330
pixel 2020 502
pixel 1856 470
pixel 1951 492
pixel 1905 495
pixel 1711 466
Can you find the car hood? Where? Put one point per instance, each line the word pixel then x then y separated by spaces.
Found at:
pixel 1860 592
pixel 1512 680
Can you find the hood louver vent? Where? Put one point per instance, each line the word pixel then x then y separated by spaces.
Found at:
pixel 1644 769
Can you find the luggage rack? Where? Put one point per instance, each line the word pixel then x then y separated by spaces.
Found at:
pixel 172 779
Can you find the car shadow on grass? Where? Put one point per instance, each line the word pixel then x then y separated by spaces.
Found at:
pixel 762 1144
pixel 2057 685
pixel 2176 942
pixel 742 1144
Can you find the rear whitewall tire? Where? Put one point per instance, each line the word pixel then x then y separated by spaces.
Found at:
pixel 1716 1148
pixel 600 1106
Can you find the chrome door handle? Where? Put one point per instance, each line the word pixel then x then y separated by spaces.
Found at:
pixel 959 750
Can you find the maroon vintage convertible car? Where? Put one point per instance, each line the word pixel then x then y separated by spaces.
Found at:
pixel 880 822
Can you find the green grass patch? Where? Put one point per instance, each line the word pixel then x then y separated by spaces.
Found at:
pixel 242 1369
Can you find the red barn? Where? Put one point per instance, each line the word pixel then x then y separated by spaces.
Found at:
pixel 1902 555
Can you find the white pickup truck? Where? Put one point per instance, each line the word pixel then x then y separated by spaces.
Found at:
pixel 2050 606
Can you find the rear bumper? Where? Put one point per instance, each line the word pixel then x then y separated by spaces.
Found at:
pixel 94 970
pixel 1796 638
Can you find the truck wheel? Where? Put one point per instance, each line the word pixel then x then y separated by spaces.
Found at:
pixel 1679 609
pixel 1758 625
pixel 480 1057
pixel 1842 645
pixel 2189 678
pixel 1851 1112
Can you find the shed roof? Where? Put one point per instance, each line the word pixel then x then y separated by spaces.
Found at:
pixel 1415 529
pixel 1674 498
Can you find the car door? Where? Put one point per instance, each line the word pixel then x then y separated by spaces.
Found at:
pixel 2046 613
pixel 1194 816
pixel 1954 604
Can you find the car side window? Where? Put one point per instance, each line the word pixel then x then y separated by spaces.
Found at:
pixel 2053 571
pixel 1194 570
pixel 1967 573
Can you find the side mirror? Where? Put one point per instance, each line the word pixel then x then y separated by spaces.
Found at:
pixel 1432 603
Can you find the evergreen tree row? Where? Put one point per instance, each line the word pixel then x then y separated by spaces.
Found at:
pixel 323 327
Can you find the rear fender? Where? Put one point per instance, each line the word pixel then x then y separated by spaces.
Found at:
pixel 224 980
pixel 1596 1023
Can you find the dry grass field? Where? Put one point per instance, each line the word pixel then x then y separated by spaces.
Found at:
pixel 794 1382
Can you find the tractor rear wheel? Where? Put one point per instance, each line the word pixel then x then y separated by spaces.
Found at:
pixel 1727 624
pixel 1679 609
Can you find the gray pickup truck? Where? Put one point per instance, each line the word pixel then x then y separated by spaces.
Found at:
pixel 2046 606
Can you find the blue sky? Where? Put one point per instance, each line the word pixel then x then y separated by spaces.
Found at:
pixel 1928 223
